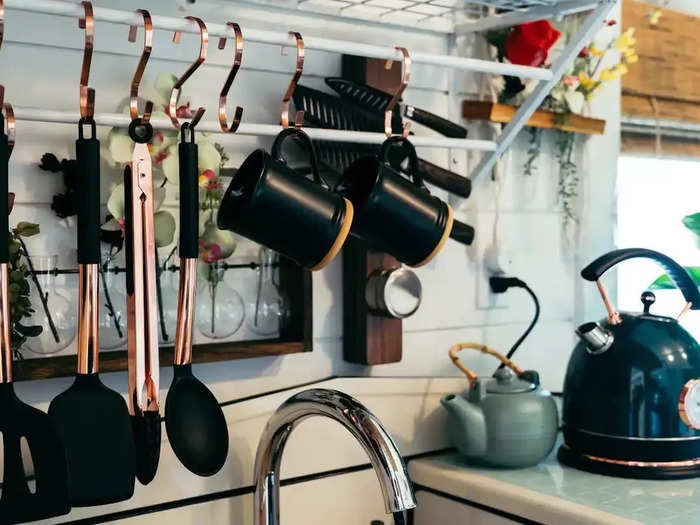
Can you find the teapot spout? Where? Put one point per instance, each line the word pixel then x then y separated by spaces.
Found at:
pixel 596 338
pixel 467 425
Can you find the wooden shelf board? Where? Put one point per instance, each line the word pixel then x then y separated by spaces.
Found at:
pixel 65 366
pixel 493 112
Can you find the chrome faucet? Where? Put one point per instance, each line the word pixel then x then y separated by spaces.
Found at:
pixel 385 457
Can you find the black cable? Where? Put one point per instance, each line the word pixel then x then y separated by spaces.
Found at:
pixel 532 323
pixel 501 285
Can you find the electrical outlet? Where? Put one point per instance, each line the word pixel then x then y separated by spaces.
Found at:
pixel 494 261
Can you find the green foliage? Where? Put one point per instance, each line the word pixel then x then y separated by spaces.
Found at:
pixel 664 282
pixel 19 291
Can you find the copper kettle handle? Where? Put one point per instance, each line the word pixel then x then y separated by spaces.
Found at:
pixel 471 376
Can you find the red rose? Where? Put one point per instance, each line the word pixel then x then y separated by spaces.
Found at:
pixel 529 43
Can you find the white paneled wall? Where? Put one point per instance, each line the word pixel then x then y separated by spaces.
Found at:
pixel 40 64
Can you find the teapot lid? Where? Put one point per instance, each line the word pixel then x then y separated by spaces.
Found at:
pixel 505 381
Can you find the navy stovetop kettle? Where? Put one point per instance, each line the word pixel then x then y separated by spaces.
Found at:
pixel 631 402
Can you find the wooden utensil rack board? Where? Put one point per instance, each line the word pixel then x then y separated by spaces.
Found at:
pixel 294 337
pixel 296 282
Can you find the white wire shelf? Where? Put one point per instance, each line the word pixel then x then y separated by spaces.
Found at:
pixel 546 78
pixel 445 16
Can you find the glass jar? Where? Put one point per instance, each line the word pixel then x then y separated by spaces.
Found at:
pixel 219 309
pixel 57 316
pixel 269 309
pixel 112 301
pixel 166 289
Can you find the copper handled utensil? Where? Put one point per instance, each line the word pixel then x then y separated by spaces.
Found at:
pixel 142 314
pixel 92 419
pixel 194 421
pixel 19 421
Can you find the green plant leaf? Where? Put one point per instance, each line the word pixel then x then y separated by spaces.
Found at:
pixel 664 282
pixel 27 229
pixel 692 222
pixel 28 331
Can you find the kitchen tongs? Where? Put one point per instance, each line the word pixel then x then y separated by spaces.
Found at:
pixel 142 316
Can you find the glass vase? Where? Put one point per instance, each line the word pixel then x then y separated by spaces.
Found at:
pixel 112 302
pixel 56 315
pixel 166 289
pixel 219 310
pixel 269 309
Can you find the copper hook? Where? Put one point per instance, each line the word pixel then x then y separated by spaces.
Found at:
pixel 175 92
pixel 87 94
pixel 237 59
pixel 10 125
pixel 405 77
pixel 145 55
pixel 299 116
pixel 2 21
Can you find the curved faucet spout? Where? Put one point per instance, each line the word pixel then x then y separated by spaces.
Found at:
pixel 382 452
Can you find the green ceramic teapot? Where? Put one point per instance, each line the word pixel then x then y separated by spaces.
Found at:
pixel 507 420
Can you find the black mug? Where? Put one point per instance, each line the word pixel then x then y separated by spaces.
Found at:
pixel 393 214
pixel 271 204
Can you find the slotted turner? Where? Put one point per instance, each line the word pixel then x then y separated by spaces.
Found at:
pixel 19 421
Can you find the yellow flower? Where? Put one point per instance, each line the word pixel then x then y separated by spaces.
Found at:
pixel 608 74
pixel 655 15
pixel 632 58
pixel 587 83
pixel 595 51
pixel 625 40
pixel 621 69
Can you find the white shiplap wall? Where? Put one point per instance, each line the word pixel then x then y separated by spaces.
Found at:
pixel 40 65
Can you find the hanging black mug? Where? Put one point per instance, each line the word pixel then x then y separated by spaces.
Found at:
pixel 271 204
pixel 392 213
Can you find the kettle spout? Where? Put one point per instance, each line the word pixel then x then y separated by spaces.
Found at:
pixel 467 425
pixel 596 338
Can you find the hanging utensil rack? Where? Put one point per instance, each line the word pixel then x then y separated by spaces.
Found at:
pixel 511 12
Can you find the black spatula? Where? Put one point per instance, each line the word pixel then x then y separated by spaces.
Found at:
pixel 19 421
pixel 92 420
pixel 195 424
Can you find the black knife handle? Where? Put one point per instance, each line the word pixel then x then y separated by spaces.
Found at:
pixel 431 120
pixel 189 197
pixel 444 179
pixel 87 155
pixel 462 233
pixel 4 197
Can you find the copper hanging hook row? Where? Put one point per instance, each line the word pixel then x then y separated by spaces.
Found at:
pixel 405 78
pixel 299 116
pixel 145 55
pixel 237 59
pixel 87 94
pixel 175 92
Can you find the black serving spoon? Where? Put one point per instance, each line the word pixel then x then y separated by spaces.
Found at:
pixel 194 421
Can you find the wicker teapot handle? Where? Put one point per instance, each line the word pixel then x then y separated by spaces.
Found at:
pixel 471 376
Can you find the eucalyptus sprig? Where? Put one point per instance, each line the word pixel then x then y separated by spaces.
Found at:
pixel 19 291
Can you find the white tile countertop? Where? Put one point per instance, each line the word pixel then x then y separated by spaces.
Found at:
pixel 552 493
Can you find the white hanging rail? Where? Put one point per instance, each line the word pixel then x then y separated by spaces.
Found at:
pixel 267 130
pixel 281 38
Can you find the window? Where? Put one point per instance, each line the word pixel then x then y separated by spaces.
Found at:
pixel 653 196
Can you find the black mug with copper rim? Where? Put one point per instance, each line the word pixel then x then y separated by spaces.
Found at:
pixel 271 204
pixel 393 214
